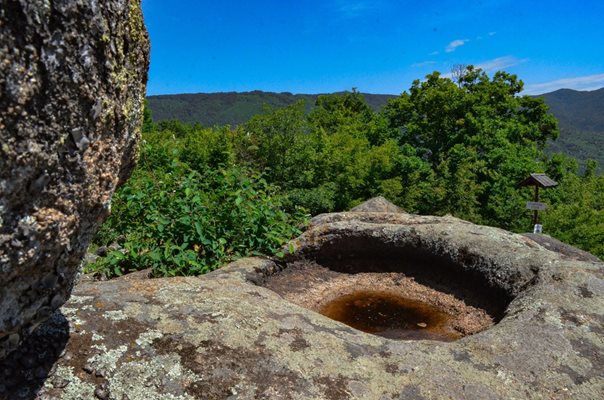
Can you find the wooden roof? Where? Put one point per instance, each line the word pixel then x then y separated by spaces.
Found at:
pixel 540 180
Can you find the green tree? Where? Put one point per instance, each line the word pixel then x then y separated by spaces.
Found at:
pixel 480 137
pixel 576 212
pixel 278 145
pixel 350 111
pixel 148 125
pixel 328 160
pixel 437 114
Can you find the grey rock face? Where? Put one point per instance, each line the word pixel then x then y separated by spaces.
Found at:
pixel 72 83
pixel 377 204
pixel 223 336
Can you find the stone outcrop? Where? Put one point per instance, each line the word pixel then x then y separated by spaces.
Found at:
pixel 72 84
pixel 223 336
pixel 377 204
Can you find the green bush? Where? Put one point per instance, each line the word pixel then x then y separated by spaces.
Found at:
pixel 183 222
pixel 576 212
pixel 316 200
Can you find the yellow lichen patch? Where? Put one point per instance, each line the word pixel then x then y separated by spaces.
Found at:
pixel 135 21
pixel 142 287
pixel 50 220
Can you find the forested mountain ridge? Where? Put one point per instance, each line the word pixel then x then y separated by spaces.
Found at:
pixel 581 109
pixel 234 108
pixel 580 117
pixel 580 114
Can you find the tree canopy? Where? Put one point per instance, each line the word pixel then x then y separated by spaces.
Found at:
pixel 479 136
pixel 202 196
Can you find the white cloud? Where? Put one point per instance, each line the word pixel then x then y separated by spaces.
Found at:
pixel 587 82
pixel 434 53
pixel 492 33
pixel 455 44
pixel 352 9
pixel 423 64
pixel 500 63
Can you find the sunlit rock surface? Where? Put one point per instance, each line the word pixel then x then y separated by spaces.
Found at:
pixel 72 84
pixel 222 336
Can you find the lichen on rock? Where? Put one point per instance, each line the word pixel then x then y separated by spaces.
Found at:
pixel 72 84
pixel 223 335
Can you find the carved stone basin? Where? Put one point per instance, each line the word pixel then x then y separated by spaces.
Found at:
pixel 391 280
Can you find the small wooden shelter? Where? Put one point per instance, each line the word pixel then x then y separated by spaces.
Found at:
pixel 538 181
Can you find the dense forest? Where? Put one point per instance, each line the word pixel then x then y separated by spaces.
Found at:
pixel 233 108
pixel 202 196
pixel 580 118
pixel 580 114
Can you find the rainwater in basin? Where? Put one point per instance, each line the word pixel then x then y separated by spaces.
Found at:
pixel 391 316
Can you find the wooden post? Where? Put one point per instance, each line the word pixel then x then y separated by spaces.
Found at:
pixel 536 212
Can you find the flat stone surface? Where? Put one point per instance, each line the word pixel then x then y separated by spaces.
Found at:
pixel 222 336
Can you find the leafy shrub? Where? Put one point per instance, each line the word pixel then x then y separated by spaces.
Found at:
pixel 316 200
pixel 183 222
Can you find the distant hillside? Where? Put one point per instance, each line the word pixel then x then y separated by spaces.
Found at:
pixel 232 108
pixel 580 116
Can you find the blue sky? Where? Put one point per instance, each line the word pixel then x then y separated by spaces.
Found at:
pixel 375 46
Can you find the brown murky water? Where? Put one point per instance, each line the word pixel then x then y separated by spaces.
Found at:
pixel 391 316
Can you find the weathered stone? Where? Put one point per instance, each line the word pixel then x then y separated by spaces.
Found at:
pixel 377 204
pixel 557 246
pixel 72 83
pixel 222 336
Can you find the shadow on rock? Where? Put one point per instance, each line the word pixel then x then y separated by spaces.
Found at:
pixel 24 371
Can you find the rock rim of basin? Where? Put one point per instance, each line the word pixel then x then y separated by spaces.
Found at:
pixel 223 336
